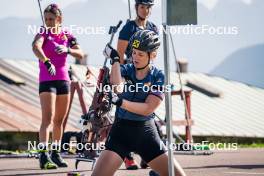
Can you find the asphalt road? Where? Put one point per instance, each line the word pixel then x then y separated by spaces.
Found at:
pixel 242 162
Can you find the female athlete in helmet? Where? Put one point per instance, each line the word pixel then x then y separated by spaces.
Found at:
pixel 140 91
pixel 143 10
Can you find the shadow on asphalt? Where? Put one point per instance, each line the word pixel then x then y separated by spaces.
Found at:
pixel 47 172
pixel 229 166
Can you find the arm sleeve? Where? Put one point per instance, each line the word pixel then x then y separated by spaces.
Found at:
pixel 42 32
pixel 155 29
pixel 157 88
pixel 125 33
pixel 124 70
pixel 72 41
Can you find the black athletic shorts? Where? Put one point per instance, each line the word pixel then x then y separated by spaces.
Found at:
pixel 58 87
pixel 135 136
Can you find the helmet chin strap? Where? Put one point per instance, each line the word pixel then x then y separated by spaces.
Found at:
pixel 145 65
pixel 139 17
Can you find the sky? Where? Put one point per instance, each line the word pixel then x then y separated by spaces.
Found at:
pixel 29 8
pixel 204 52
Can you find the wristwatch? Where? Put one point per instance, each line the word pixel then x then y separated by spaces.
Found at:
pixel 68 51
pixel 114 60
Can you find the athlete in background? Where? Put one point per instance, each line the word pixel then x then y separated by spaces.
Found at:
pixel 52 47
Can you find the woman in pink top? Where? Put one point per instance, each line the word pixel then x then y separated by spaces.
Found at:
pixel 52 46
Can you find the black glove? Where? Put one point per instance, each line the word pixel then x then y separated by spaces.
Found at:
pixel 116 100
pixel 50 67
pixel 60 49
pixel 110 52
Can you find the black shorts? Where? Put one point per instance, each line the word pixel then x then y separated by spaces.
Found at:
pixel 58 87
pixel 135 136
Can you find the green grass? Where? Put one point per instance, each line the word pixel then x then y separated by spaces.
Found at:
pixel 14 152
pixel 253 145
pixel 9 152
pixel 223 145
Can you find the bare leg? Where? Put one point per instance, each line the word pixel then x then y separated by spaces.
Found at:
pixel 107 164
pixel 47 101
pixel 160 165
pixel 62 106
